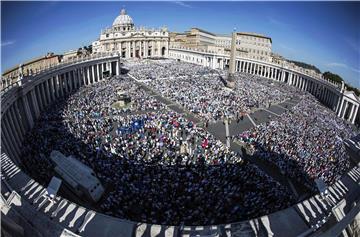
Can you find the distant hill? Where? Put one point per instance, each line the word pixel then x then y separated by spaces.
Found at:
pixel 305 65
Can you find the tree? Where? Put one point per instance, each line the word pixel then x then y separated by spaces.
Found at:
pixel 336 78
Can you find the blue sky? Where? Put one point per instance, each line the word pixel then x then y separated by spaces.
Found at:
pixel 325 34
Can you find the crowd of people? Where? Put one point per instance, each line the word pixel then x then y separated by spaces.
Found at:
pixel 159 167
pixel 306 143
pixel 162 69
pixel 201 90
pixel 156 165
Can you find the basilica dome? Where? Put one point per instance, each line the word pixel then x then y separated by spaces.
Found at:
pixel 123 19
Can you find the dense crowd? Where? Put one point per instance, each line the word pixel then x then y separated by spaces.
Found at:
pixel 156 165
pixel 163 69
pixel 306 142
pixel 159 167
pixel 201 91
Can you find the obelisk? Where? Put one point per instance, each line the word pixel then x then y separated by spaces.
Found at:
pixel 230 82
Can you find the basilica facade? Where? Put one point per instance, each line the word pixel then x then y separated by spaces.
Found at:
pixel 130 41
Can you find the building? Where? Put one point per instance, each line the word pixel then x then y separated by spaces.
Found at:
pixel 130 41
pixel 28 68
pixel 254 46
pixel 194 38
pixel 250 45
pixel 72 55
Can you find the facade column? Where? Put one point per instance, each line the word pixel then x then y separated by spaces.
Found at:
pixel 117 67
pixel 28 114
pixel 158 49
pixel 140 49
pixel 127 52
pixel 110 68
pixel 133 48
pixel 97 72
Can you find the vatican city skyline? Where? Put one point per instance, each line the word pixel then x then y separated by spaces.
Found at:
pixel 316 38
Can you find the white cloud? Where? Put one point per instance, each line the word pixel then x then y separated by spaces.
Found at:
pixel 183 4
pixel 6 43
pixel 342 65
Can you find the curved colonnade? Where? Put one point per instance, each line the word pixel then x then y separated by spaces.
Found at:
pixel 22 105
pixel 344 103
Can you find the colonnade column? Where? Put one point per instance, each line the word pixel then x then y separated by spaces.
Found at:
pixel 47 89
pixel 72 80
pixel 354 114
pixel 88 75
pixel 28 114
pixel 16 123
pixel 15 149
pixel 9 124
pixel 345 108
pixel 93 74
pixel 35 104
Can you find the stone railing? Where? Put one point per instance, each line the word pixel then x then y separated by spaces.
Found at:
pixel 61 215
